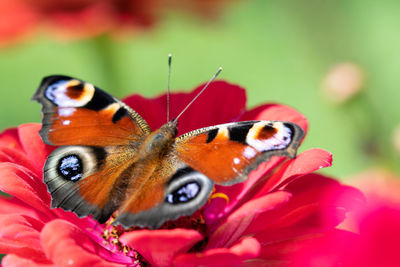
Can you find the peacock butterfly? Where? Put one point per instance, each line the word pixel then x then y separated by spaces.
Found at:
pixel 109 160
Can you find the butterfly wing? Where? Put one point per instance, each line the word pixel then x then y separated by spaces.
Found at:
pixel 223 154
pixel 227 153
pixel 78 113
pixel 98 136
pixel 173 190
pixel 88 180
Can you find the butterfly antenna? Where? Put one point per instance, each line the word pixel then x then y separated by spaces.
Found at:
pixel 169 79
pixel 202 90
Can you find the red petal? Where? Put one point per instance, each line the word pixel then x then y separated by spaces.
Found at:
pixel 9 138
pixel 307 162
pixel 21 228
pixel 12 260
pixel 153 110
pixel 315 188
pixel 379 238
pixel 67 245
pixel 83 223
pixel 19 182
pixel 159 247
pixel 218 208
pixel 15 206
pixel 18 157
pixel 236 224
pixel 32 143
pixel 276 112
pixel 316 204
pixel 220 103
pixel 20 235
pixel 261 204
pixel 11 205
pixel 286 248
pixel 376 245
pixel 246 249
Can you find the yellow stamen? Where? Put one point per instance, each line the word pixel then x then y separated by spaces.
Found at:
pixel 219 195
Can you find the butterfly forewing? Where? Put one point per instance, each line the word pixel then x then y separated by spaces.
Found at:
pixel 78 113
pixel 227 153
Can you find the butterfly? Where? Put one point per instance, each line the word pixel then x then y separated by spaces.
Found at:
pixel 107 158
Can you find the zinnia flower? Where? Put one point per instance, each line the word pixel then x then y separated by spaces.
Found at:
pixel 376 224
pixel 264 220
pixel 88 18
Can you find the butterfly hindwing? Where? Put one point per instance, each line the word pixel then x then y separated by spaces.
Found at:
pixel 173 190
pixel 227 153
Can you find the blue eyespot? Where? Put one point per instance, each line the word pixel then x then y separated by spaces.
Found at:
pixel 70 168
pixel 184 194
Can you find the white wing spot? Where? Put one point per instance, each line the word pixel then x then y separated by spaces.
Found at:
pixel 56 93
pixel 66 111
pixel 280 140
pixel 249 152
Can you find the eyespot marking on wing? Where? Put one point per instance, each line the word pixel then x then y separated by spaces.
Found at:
pixel 69 93
pixel 184 193
pixel 265 137
pixel 70 167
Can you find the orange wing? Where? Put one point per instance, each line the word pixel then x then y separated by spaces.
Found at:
pixel 78 113
pixel 98 137
pixel 88 180
pixel 227 153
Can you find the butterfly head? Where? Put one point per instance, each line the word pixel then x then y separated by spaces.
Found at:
pixel 161 139
pixel 170 129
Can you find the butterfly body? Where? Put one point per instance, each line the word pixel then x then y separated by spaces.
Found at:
pixel 109 160
pixel 159 143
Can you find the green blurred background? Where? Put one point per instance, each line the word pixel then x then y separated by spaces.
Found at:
pixel 280 51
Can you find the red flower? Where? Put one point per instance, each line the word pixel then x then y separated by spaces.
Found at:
pixel 377 224
pixel 264 220
pixel 87 18
pixel 17 21
pixel 74 18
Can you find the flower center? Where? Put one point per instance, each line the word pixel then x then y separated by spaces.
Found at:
pixel 111 235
